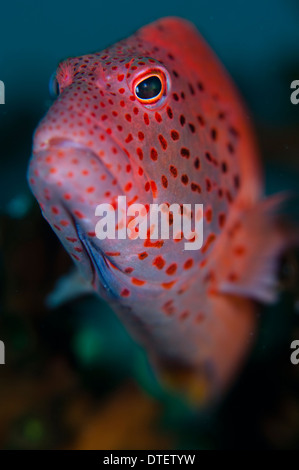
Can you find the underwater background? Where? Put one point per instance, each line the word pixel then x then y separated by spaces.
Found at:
pixel 73 377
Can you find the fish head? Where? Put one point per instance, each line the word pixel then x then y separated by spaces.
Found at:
pixel 149 119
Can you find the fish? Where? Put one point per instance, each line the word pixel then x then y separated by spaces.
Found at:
pixel 157 119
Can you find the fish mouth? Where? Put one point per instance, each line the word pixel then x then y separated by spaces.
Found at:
pixel 99 266
pixel 95 266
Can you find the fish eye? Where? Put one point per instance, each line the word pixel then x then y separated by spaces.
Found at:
pixel 150 89
pixel 54 86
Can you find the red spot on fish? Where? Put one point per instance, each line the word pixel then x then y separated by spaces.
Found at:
pixel 154 154
pixel 185 152
pixel 171 269
pixel 208 185
pixel 184 315
pixel 240 250
pixel 188 264
pixel 55 210
pixel 214 134
pixel 156 244
pixel 154 188
pixel 79 214
pixel 169 308
pixel 196 188
pixel 164 181
pixel 129 270
pixel 173 171
pixel 169 112
pixel 197 163
pixel 125 293
pixel 163 142
pixel 168 285
pixel 174 135
pixel 184 179
pixel 71 239
pixel 139 153
pixel 64 223
pixel 128 186
pixel 159 262
pixel 129 138
pixel 209 215
pixel 232 277
pixel 158 117
pixel 137 282
pixel 211 238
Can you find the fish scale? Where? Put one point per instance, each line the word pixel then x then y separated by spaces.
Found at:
pixel 192 145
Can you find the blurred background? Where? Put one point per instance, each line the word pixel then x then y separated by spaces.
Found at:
pixel 73 377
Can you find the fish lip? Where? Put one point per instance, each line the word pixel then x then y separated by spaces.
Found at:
pixel 96 266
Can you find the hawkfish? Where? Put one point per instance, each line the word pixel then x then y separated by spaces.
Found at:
pixel 157 119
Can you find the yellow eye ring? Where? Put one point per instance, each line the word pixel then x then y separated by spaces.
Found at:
pixel 150 88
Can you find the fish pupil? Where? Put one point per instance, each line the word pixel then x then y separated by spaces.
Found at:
pixel 149 88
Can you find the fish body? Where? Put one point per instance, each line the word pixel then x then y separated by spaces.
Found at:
pixel 182 137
